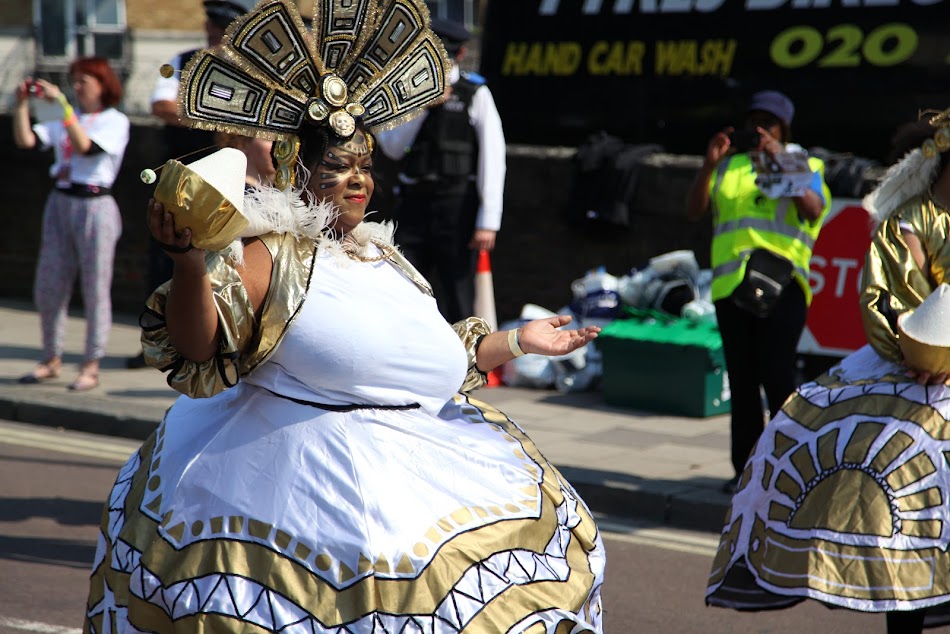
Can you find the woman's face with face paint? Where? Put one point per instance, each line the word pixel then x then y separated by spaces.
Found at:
pixel 344 176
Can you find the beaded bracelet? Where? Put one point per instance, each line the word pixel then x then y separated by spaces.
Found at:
pixel 69 115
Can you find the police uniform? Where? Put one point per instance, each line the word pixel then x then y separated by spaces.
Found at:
pixel 451 182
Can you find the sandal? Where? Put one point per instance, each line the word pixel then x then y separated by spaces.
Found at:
pixel 85 381
pixel 42 372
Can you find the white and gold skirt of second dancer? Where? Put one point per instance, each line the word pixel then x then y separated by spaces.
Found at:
pixel 845 497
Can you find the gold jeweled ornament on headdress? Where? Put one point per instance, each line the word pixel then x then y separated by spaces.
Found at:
pixel 373 59
pixel 941 139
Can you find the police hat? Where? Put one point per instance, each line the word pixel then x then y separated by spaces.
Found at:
pixel 452 34
pixel 223 12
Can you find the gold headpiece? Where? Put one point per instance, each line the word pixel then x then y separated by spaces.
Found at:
pixel 941 139
pixel 373 59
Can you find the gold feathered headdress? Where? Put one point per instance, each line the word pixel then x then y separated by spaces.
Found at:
pixel 377 60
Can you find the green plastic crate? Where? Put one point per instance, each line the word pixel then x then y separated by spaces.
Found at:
pixel 662 364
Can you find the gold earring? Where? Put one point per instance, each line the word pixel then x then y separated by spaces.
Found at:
pixel 942 139
pixel 929 149
pixel 285 152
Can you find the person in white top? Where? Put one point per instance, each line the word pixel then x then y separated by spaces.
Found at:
pixel 81 221
pixel 451 180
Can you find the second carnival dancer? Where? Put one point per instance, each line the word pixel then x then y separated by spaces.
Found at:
pixel 844 499
pixel 326 470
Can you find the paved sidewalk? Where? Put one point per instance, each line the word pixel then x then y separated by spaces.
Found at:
pixel 623 462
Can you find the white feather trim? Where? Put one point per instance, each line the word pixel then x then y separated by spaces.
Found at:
pixel 270 210
pixel 909 177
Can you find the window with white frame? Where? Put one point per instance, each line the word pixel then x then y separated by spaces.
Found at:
pixel 67 29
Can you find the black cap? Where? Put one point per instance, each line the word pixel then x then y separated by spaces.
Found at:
pixel 775 103
pixel 223 12
pixel 452 34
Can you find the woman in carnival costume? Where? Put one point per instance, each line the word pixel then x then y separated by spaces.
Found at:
pixel 844 499
pixel 326 470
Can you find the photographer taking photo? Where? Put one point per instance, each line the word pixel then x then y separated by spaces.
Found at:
pixel 761 249
pixel 81 221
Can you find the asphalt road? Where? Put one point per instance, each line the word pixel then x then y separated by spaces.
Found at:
pixel 53 483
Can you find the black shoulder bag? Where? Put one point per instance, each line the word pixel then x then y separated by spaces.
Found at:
pixel 766 276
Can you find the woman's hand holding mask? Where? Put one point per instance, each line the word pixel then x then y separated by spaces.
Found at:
pixel 161 224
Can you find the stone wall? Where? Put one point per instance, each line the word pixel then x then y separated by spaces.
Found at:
pixel 538 253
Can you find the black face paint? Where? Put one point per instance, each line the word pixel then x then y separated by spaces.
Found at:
pixel 340 159
pixel 331 162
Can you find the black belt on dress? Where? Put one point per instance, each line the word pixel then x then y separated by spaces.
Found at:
pixel 344 408
pixel 77 190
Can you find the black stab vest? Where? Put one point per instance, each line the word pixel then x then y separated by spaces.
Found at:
pixel 446 147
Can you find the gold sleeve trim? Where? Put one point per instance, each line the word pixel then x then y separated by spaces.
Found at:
pixel 471 331
pixel 244 344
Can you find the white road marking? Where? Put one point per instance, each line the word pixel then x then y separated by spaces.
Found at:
pixel 680 541
pixel 35 626
pixel 115 449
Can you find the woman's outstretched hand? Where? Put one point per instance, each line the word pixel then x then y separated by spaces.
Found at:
pixel 542 336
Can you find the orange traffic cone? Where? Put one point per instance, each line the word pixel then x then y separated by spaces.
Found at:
pixel 485 291
pixel 485 304
pixel 494 378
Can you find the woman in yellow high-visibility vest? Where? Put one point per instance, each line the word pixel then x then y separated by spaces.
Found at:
pixel 750 224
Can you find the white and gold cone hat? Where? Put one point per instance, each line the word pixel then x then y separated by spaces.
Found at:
pixel 207 197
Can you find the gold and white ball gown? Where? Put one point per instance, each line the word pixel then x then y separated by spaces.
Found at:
pixel 845 498
pixel 344 484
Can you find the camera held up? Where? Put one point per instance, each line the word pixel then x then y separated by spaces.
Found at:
pixel 34 88
pixel 744 140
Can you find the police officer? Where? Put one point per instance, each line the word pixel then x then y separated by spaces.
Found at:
pixel 451 181
pixel 750 227
pixel 178 140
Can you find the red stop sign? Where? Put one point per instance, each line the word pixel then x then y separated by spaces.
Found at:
pixel 834 318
